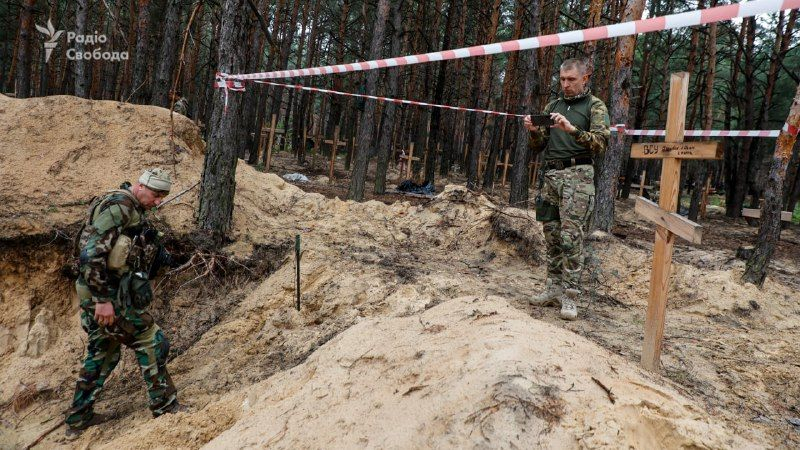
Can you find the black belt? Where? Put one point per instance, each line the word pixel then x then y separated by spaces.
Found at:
pixel 559 164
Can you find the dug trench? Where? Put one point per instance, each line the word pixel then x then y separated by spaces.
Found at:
pixel 38 309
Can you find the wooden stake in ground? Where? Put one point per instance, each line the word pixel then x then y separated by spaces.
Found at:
pixel 335 144
pixel 669 224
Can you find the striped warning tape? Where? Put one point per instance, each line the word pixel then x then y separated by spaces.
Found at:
pixel 668 22
pixel 616 128
pixel 700 133
pixel 387 99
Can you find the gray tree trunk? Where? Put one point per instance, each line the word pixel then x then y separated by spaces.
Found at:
pixel 518 196
pixel 608 176
pixel 81 75
pixel 137 92
pixel 22 85
pixel 389 111
pixel 769 232
pixel 168 55
pixel 218 184
pixel 367 123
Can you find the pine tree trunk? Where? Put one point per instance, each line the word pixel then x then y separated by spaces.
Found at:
pixel 218 185
pixel 744 160
pixel 168 55
pixel 137 89
pixel 484 89
pixel 518 196
pixel 81 75
pixel 22 85
pixel 608 178
pixel 770 229
pixel 336 105
pixel 389 112
pixel 708 120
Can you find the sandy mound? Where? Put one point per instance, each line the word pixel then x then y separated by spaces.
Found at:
pixel 469 373
pixel 58 152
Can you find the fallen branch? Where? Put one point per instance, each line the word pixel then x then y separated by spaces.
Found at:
pixel 43 435
pixel 611 396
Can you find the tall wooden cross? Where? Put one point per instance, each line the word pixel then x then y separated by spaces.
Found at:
pixel 669 224
pixel 335 143
pixel 269 132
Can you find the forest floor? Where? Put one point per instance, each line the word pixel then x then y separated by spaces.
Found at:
pixel 414 328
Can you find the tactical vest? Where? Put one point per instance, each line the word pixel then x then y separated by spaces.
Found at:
pixel 561 144
pixel 118 257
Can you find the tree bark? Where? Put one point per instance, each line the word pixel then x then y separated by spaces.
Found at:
pixel 708 120
pixel 744 160
pixel 483 100
pixel 218 185
pixel 138 89
pixel 389 112
pixel 22 85
pixel 518 196
pixel 81 75
pixel 168 55
pixel 620 105
pixel 770 229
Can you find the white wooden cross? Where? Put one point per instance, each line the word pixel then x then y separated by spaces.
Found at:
pixel 669 224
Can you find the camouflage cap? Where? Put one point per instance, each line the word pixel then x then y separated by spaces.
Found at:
pixel 156 179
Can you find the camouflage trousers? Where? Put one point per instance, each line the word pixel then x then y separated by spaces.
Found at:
pixel 135 329
pixel 571 191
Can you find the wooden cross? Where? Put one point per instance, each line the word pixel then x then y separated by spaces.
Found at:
pixel 706 193
pixel 482 160
pixel 269 132
pixel 533 172
pixel 408 161
pixel 786 216
pixel 505 166
pixel 334 147
pixel 669 224
pixel 317 143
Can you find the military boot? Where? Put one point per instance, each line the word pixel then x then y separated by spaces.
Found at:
pixel 568 309
pixel 550 295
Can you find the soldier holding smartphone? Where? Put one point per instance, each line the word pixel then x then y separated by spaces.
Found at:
pixel 580 129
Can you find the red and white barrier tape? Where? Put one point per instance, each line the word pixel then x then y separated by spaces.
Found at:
pixel 700 133
pixel 668 22
pixel 387 99
pixel 227 85
pixel 616 128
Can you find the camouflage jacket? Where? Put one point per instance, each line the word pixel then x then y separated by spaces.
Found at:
pixel 114 214
pixel 588 114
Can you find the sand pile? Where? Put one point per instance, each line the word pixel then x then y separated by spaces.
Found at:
pixel 58 152
pixel 414 329
pixel 469 373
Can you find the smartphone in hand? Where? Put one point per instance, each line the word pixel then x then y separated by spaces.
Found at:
pixel 542 120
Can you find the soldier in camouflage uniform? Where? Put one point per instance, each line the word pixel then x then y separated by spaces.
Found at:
pixel 113 295
pixel 566 201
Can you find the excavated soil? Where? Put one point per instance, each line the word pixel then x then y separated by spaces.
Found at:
pixel 414 330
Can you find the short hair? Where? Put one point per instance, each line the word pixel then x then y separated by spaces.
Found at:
pixel 575 63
